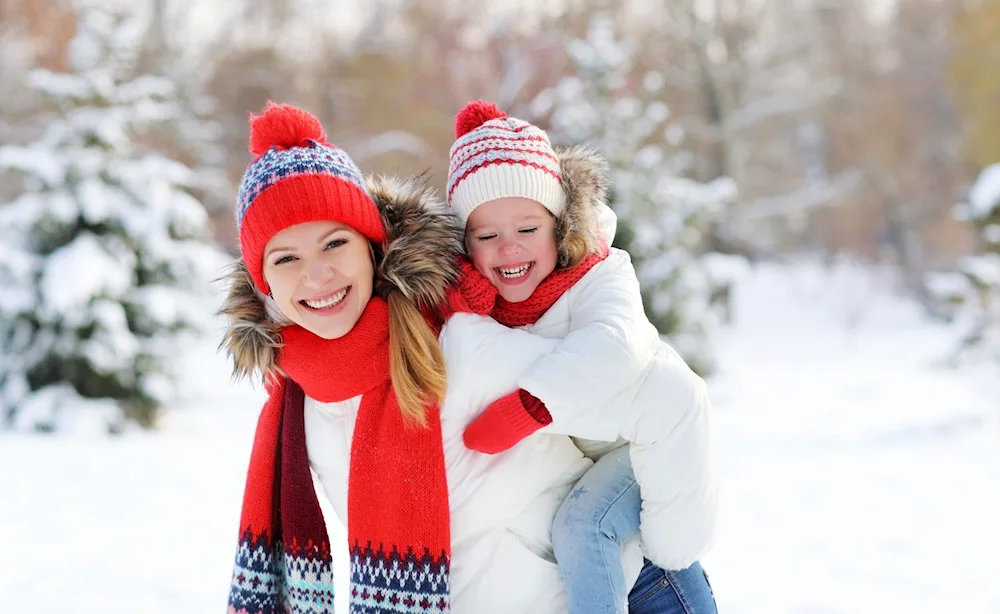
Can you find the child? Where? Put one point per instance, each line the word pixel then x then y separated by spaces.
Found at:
pixel 539 262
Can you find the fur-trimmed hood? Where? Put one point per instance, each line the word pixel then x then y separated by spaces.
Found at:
pixel 419 259
pixel 586 216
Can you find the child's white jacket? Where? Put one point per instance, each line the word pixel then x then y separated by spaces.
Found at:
pixel 612 378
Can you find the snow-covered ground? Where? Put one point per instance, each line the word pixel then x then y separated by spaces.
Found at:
pixel 861 476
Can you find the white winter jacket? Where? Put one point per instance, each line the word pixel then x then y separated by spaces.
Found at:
pixel 502 506
pixel 612 378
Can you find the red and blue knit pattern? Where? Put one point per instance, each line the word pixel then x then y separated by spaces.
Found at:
pixel 278 164
pixel 272 579
pixel 505 140
pixel 390 583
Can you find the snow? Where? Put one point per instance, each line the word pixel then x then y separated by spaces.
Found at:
pixel 985 268
pixel 112 348
pixel 860 476
pixel 83 269
pixel 36 161
pixel 16 265
pixel 61 404
pixel 984 196
pixel 855 468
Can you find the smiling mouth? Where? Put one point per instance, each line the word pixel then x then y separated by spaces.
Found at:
pixel 327 301
pixel 515 272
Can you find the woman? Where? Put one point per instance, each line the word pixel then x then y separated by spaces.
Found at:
pixel 325 307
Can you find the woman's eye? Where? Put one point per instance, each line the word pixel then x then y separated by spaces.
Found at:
pixel 336 243
pixel 528 231
pixel 284 259
pixel 484 238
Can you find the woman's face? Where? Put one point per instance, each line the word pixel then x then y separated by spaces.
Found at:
pixel 320 275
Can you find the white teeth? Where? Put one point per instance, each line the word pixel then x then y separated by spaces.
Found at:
pixel 327 302
pixel 516 272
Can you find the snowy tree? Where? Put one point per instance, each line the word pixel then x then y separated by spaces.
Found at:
pixel 978 296
pixel 974 293
pixel 104 259
pixel 758 79
pixel 663 215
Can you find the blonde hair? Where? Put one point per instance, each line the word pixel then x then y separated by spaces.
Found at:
pixel 416 362
pixel 573 249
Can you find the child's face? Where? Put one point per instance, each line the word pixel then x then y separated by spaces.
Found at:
pixel 512 242
pixel 320 275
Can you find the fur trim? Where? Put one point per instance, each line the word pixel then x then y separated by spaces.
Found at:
pixel 419 259
pixel 424 240
pixel 585 182
pixel 251 338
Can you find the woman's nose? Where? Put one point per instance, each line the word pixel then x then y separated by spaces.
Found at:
pixel 318 273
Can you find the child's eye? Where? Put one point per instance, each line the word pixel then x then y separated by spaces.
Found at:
pixel 336 243
pixel 528 231
pixel 484 238
pixel 284 259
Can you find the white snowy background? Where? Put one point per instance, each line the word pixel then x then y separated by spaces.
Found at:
pixel 860 461
pixel 860 473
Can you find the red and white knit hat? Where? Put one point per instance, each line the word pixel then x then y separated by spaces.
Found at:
pixel 495 156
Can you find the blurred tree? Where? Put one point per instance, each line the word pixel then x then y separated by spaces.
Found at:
pixel 663 214
pixel 105 263
pixel 975 79
pixel 971 297
pixel 750 83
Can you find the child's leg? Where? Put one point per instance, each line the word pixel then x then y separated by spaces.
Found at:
pixel 672 592
pixel 599 513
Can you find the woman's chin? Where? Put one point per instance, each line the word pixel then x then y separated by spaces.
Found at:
pixel 331 326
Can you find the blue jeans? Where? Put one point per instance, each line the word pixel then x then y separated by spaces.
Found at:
pixel 601 511
pixel 672 592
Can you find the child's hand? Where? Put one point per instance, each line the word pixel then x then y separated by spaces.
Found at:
pixel 505 422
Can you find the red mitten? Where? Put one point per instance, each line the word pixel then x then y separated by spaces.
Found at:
pixel 505 422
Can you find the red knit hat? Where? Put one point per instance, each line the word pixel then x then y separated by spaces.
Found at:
pixel 296 176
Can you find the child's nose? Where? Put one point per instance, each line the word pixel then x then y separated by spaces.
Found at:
pixel 508 247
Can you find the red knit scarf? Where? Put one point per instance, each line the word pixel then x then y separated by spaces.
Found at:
pixel 476 294
pixel 398 515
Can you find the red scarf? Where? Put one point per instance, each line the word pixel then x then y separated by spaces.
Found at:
pixel 474 293
pixel 398 516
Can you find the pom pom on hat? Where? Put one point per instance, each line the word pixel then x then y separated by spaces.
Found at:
pixel 474 115
pixel 283 126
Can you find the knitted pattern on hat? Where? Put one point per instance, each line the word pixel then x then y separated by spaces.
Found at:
pixel 496 156
pixel 296 176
